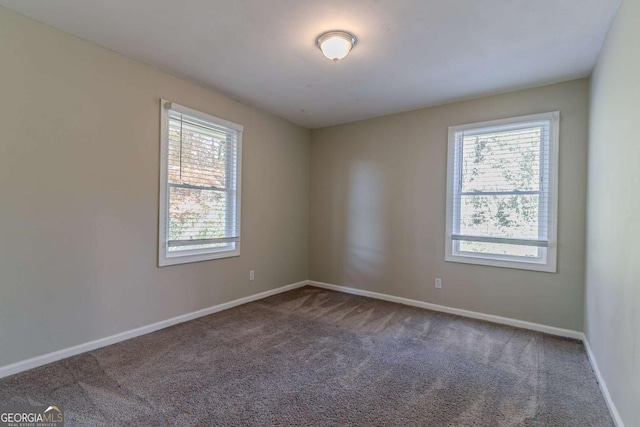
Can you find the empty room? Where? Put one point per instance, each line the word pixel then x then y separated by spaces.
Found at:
pixel 296 213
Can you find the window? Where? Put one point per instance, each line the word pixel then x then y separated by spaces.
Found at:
pixel 199 186
pixel 502 193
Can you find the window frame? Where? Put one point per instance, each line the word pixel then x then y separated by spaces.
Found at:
pixel 194 255
pixel 506 261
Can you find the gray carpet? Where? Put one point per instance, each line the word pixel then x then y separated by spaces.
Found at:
pixel 315 357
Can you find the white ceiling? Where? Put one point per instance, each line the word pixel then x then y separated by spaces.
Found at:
pixel 410 54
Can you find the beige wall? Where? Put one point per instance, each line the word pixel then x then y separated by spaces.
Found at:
pixel 79 153
pixel 377 209
pixel 612 317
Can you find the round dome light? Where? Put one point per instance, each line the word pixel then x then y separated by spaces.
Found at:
pixel 335 45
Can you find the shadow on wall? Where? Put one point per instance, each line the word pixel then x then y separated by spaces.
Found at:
pixel 365 240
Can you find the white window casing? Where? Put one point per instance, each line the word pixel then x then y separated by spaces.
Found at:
pixel 200 186
pixel 502 193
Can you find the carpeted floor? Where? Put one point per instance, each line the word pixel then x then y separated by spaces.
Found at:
pixel 316 357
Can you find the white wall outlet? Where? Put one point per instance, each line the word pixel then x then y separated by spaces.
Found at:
pixel 252 275
pixel 438 283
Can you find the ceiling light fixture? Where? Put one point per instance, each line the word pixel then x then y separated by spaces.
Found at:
pixel 335 45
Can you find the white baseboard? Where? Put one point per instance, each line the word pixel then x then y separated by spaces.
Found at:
pixel 457 311
pixel 603 386
pixel 44 359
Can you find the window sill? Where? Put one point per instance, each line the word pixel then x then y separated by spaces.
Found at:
pixel 492 262
pixel 187 259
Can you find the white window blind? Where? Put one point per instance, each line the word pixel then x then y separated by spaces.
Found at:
pixel 200 194
pixel 501 198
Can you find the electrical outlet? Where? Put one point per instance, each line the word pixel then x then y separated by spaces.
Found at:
pixel 252 275
pixel 438 283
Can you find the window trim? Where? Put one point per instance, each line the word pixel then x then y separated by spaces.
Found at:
pixel 506 261
pixel 195 255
